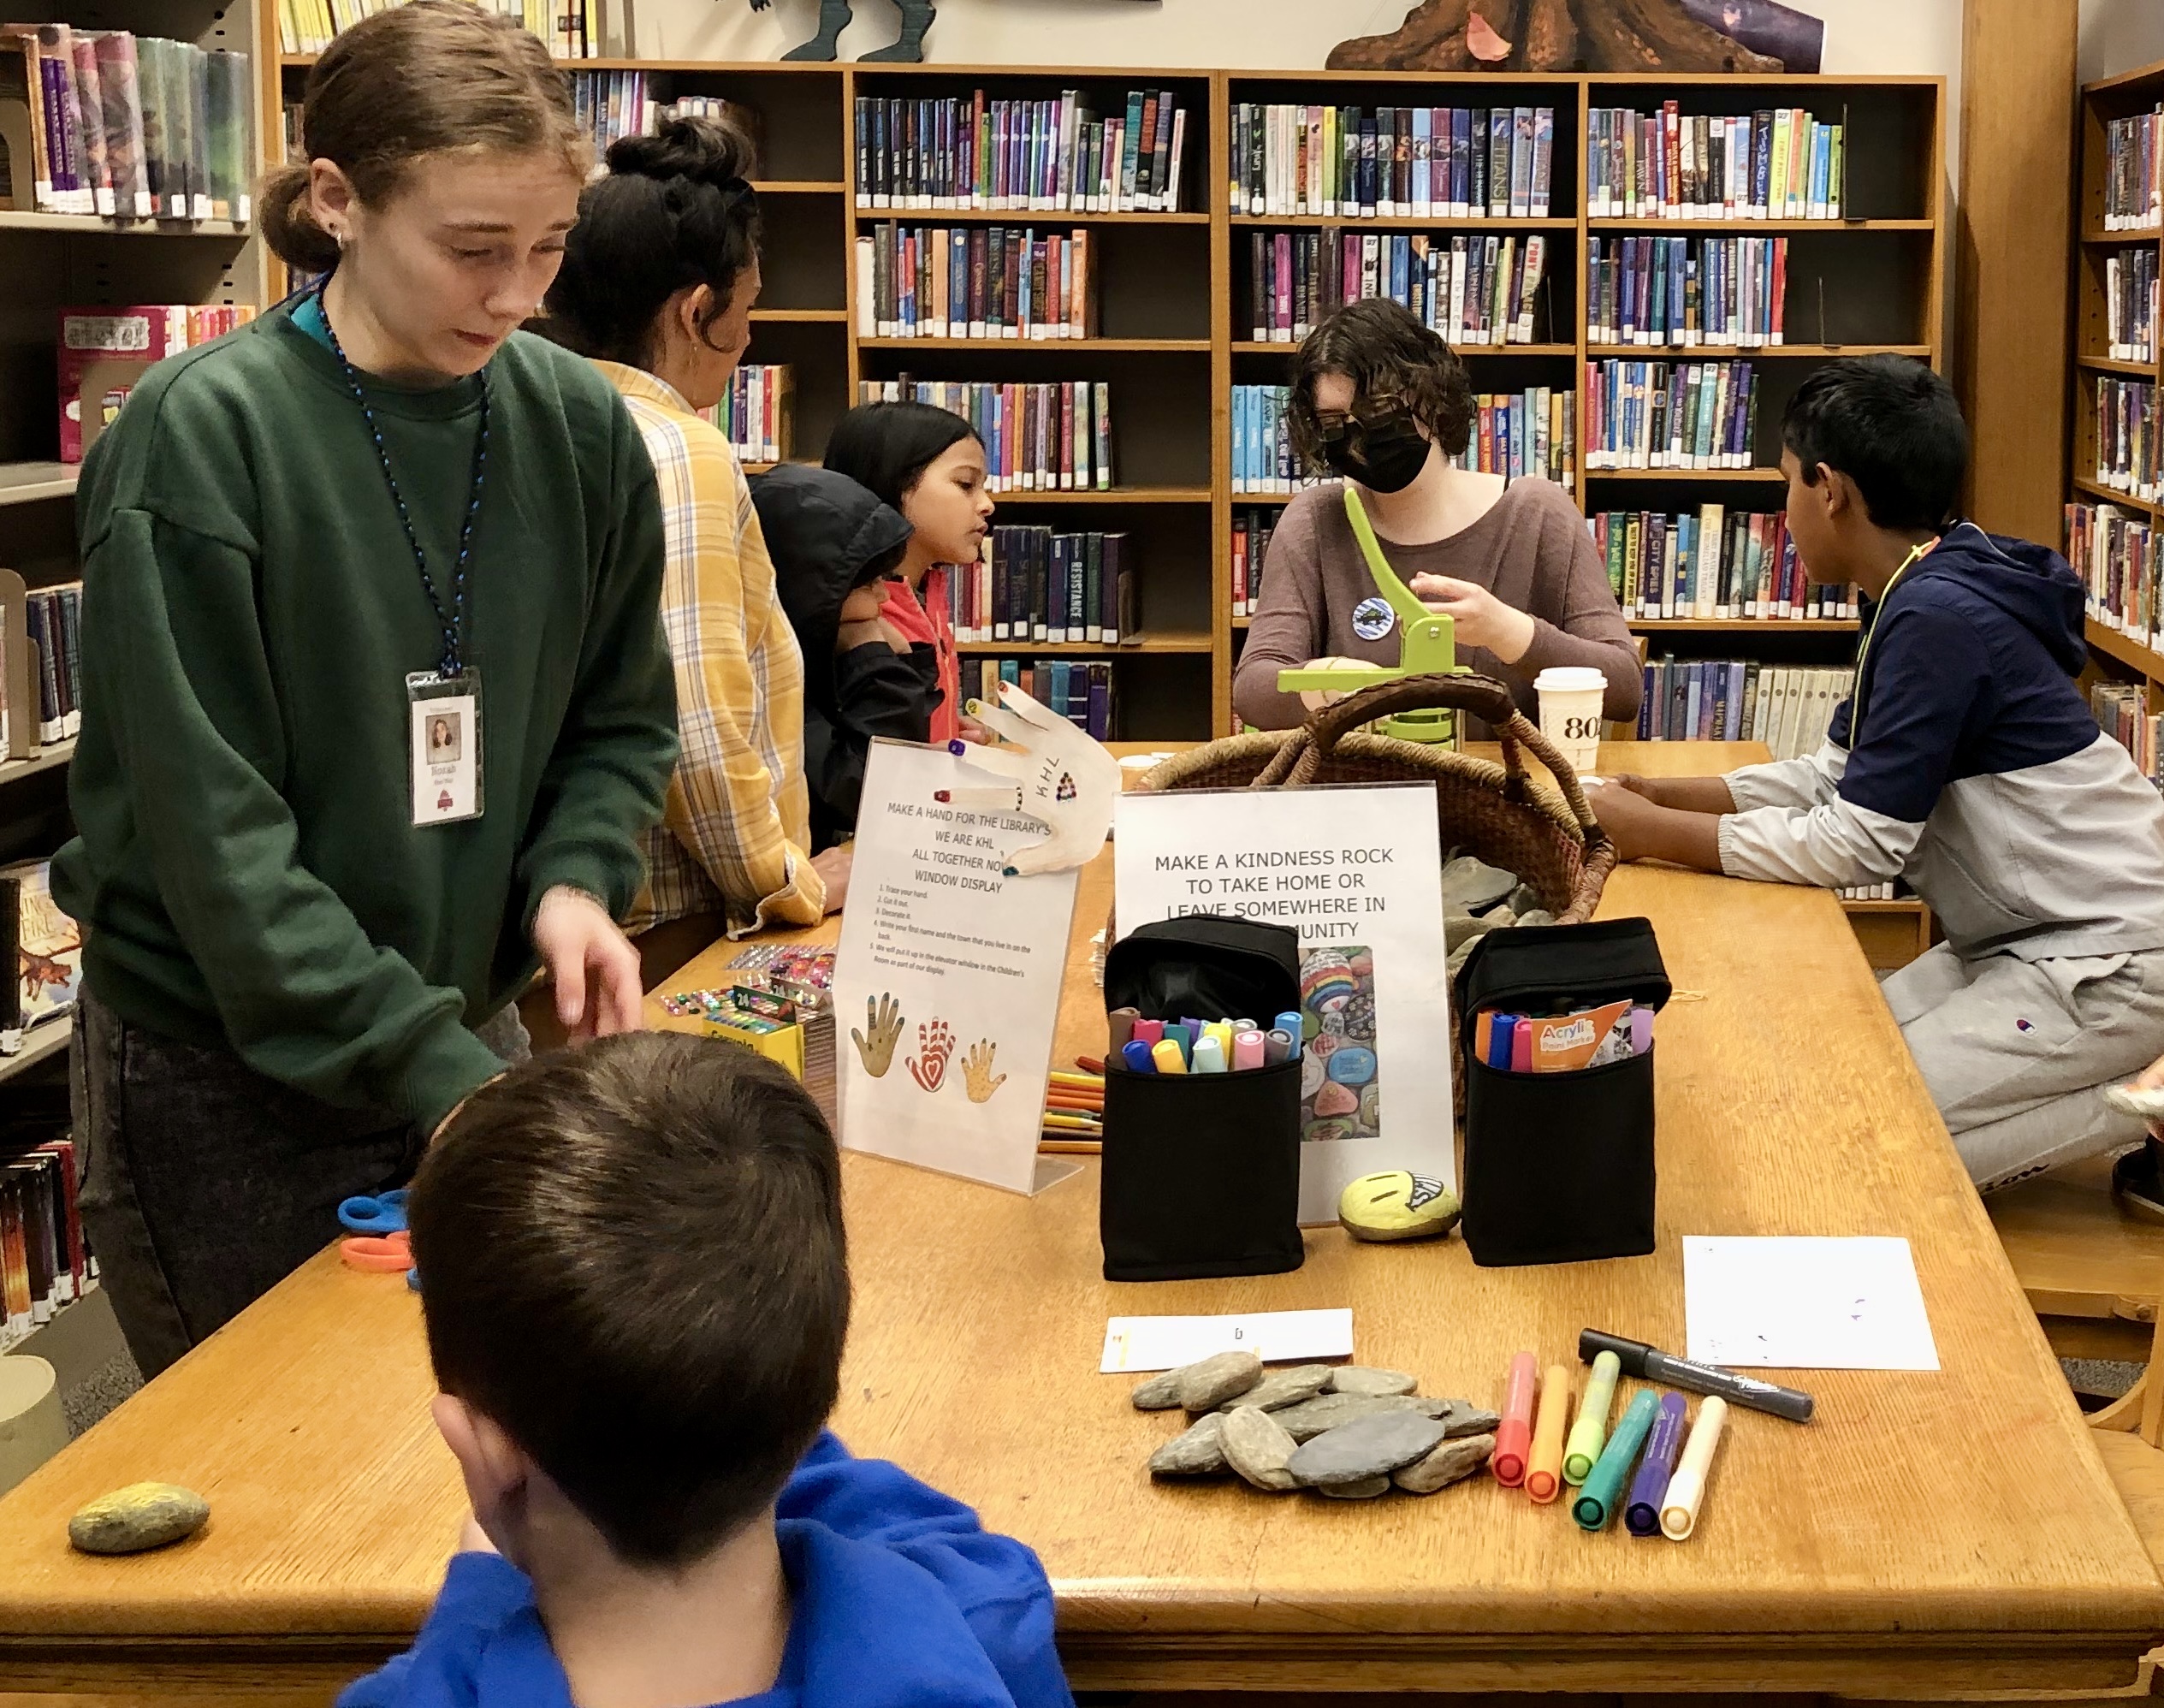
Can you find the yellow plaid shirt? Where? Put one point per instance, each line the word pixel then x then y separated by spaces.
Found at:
pixel 737 824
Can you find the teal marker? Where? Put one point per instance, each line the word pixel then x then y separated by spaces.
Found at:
pixel 1597 1502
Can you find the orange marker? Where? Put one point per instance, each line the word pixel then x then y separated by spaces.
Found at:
pixel 1514 1435
pixel 1543 1476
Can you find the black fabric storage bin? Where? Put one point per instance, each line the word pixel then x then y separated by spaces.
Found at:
pixel 1200 1172
pixel 1559 1167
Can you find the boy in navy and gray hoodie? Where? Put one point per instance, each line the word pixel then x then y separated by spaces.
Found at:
pixel 1966 762
pixel 636 1291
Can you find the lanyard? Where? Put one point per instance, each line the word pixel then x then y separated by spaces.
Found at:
pixel 1856 707
pixel 453 620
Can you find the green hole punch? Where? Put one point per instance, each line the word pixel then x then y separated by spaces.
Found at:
pixel 1426 646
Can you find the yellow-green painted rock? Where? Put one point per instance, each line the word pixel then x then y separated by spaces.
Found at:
pixel 139 1516
pixel 1397 1206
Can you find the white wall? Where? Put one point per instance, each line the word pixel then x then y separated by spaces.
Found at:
pixel 2118 35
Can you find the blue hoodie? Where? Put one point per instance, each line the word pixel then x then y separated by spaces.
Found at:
pixel 1968 761
pixel 903 1600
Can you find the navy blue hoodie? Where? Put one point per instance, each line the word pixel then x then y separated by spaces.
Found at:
pixel 1968 761
pixel 902 1601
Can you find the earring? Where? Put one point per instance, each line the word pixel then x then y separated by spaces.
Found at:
pixel 339 238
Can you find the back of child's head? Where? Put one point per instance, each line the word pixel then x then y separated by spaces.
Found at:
pixel 1893 427
pixel 632 1262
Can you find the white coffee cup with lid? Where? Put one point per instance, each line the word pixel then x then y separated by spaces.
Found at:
pixel 1570 712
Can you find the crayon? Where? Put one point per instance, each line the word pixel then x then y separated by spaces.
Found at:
pixel 1514 1435
pixel 1209 1056
pixel 1686 1488
pixel 1604 1490
pixel 1543 1475
pixel 1079 1081
pixel 1169 1057
pixel 1642 1516
pixel 1058 1121
pixel 1591 1427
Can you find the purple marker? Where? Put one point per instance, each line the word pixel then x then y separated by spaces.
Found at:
pixel 1641 1030
pixel 1643 1515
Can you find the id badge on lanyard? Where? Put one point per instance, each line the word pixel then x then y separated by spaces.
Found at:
pixel 444 722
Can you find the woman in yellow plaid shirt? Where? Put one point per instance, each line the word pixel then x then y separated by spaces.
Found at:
pixel 657 286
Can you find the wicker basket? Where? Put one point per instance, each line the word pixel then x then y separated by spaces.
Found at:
pixel 1482 808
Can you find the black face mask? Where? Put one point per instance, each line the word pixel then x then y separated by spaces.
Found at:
pixel 1384 454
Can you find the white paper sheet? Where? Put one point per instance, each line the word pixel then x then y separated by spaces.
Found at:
pixel 1806 1304
pixel 1140 1343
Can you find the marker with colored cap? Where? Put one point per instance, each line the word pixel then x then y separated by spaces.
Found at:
pixel 1277 1046
pixel 1148 1031
pixel 1137 1057
pixel 1650 1488
pixel 1177 1036
pixel 1591 1427
pixel 1247 1050
pixel 1120 1022
pixel 1168 1056
pixel 1209 1056
pixel 1604 1492
pixel 1222 1031
pixel 1543 1475
pixel 1514 1435
pixel 1498 1054
pixel 1649 1364
pixel 1686 1488
pixel 1290 1024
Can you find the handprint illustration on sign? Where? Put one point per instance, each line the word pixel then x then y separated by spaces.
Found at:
pixel 976 1071
pixel 934 1044
pixel 883 1021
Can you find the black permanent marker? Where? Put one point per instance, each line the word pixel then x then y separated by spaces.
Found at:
pixel 1649 1364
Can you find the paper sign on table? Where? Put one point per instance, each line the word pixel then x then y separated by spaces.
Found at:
pixel 948 977
pixel 1353 870
pixel 1141 1343
pixel 1806 1304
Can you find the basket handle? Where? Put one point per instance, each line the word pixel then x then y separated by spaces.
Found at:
pixel 1483 696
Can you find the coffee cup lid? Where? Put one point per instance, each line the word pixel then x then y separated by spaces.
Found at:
pixel 1566 679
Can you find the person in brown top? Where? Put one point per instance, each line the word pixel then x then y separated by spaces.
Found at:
pixel 1383 402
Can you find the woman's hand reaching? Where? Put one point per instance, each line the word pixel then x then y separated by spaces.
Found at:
pixel 1481 620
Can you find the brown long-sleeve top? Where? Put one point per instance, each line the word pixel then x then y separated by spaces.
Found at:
pixel 1531 550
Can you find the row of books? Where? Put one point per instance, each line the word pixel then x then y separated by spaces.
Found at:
pixel 2133 175
pixel 1514 433
pixel 2119 558
pixel 1686 291
pixel 1670 164
pixel 1413 162
pixel 1476 290
pixel 613 104
pixel 1670 415
pixel 1716 563
pixel 975 281
pixel 45 1265
pixel 42 946
pixel 1035 584
pixel 2129 305
pixel 1251 534
pixel 104 351
pixel 571 27
pixel 2126 436
pixel 1886 892
pixel 1032 157
pixel 1080 691
pixel 128 126
pixel 52 620
pixel 2121 710
pixel 1789 708
pixel 1045 437
pixel 758 412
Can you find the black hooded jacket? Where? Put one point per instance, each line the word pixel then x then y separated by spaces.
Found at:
pixel 821 529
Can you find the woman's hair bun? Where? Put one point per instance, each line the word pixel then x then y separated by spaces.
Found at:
pixel 705 150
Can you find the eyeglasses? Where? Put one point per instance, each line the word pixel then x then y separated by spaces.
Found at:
pixel 1373 415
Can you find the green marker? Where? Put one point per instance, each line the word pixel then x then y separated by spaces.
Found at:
pixel 1604 1490
pixel 1592 1427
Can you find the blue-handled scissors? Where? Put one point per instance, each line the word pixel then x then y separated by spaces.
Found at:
pixel 384 1212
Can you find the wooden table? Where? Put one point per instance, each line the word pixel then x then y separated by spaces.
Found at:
pixel 1930 1535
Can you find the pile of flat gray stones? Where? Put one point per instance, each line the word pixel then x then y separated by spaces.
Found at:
pixel 1350 1432
pixel 1477 899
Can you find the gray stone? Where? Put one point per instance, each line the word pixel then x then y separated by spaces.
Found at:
pixel 1464 1418
pixel 1366 1489
pixel 1460 928
pixel 1258 1448
pixel 1451 1463
pixel 1161 1392
pixel 1197 1451
pixel 1366 1447
pixel 1205 1385
pixel 1475 885
pixel 1540 915
pixel 1460 955
pixel 1310 1418
pixel 1282 1387
pixel 1524 899
pixel 1500 915
pixel 140 1516
pixel 1361 1378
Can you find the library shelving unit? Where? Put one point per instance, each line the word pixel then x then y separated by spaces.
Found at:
pixel 2113 655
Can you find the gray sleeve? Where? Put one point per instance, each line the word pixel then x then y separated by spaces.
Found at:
pixel 1291 623
pixel 1800 784
pixel 1832 846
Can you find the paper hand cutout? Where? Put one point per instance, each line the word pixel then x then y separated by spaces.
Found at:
pixel 976 1071
pixel 1066 781
pixel 883 1020
pixel 934 1044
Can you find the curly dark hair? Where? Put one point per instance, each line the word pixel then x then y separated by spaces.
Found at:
pixel 1381 348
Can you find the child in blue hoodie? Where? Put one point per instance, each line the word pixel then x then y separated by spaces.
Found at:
pixel 636 1290
pixel 1966 760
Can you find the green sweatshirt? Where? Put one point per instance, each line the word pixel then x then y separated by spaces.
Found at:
pixel 247 866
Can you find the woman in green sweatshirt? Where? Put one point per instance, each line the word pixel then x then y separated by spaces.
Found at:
pixel 376 703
